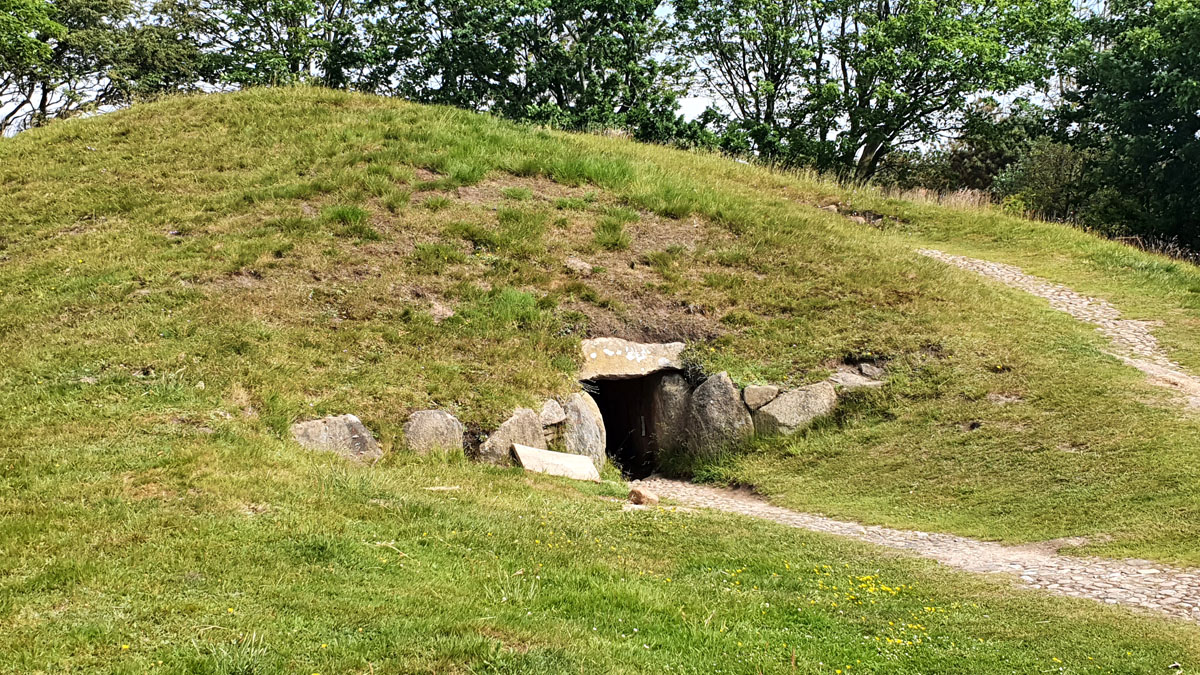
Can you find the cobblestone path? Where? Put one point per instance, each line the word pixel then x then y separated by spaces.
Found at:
pixel 1132 340
pixel 1134 583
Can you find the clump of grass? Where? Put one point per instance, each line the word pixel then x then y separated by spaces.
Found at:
pixel 292 224
pixel 521 232
pixel 610 234
pixel 436 203
pixel 722 281
pixel 480 237
pixel 517 194
pixel 352 222
pixel 621 213
pixel 396 200
pixel 663 262
pixel 433 258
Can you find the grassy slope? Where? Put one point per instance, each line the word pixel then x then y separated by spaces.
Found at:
pixel 285 249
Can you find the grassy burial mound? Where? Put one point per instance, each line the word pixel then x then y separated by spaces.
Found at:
pixel 182 281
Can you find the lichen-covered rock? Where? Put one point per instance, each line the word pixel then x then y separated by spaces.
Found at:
pixel 433 430
pixel 524 427
pixel 794 410
pixel 669 411
pixel 717 418
pixel 758 395
pixel 583 433
pixel 617 359
pixel 344 434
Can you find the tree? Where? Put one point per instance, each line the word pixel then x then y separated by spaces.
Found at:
pixel 89 55
pixel 570 63
pixel 841 83
pixel 279 42
pixel 1137 104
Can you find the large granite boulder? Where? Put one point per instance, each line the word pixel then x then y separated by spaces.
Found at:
pixel 669 411
pixel 794 410
pixel 524 427
pixel 583 433
pixel 617 359
pixel 433 430
pixel 344 434
pixel 717 418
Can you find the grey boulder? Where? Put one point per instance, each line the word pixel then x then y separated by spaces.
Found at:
pixel 583 433
pixel 433 430
pixel 794 410
pixel 669 411
pixel 524 427
pixel 717 418
pixel 344 434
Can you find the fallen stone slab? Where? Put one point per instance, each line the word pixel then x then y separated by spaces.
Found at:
pixel 344 434
pixel 617 359
pixel 794 410
pixel 524 427
pixel 577 467
pixel 433 430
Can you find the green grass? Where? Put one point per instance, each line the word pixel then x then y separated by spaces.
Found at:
pixel 611 234
pixel 166 320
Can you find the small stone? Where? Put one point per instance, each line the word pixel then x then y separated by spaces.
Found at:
pixel 524 427
pixel 872 371
pixel 758 395
pixel 832 208
pixel 580 267
pixel 343 434
pixel 640 495
pixel 849 379
pixel 552 413
pixel 433 430
pixel 858 219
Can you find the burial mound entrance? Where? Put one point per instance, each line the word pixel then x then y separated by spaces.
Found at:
pixel 626 380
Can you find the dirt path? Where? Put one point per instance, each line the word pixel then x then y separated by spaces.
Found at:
pixel 1134 583
pixel 1132 340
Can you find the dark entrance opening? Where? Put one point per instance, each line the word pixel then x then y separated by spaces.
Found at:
pixel 628 410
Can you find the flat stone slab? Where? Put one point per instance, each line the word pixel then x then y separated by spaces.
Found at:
pixel 617 359
pixel 577 467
